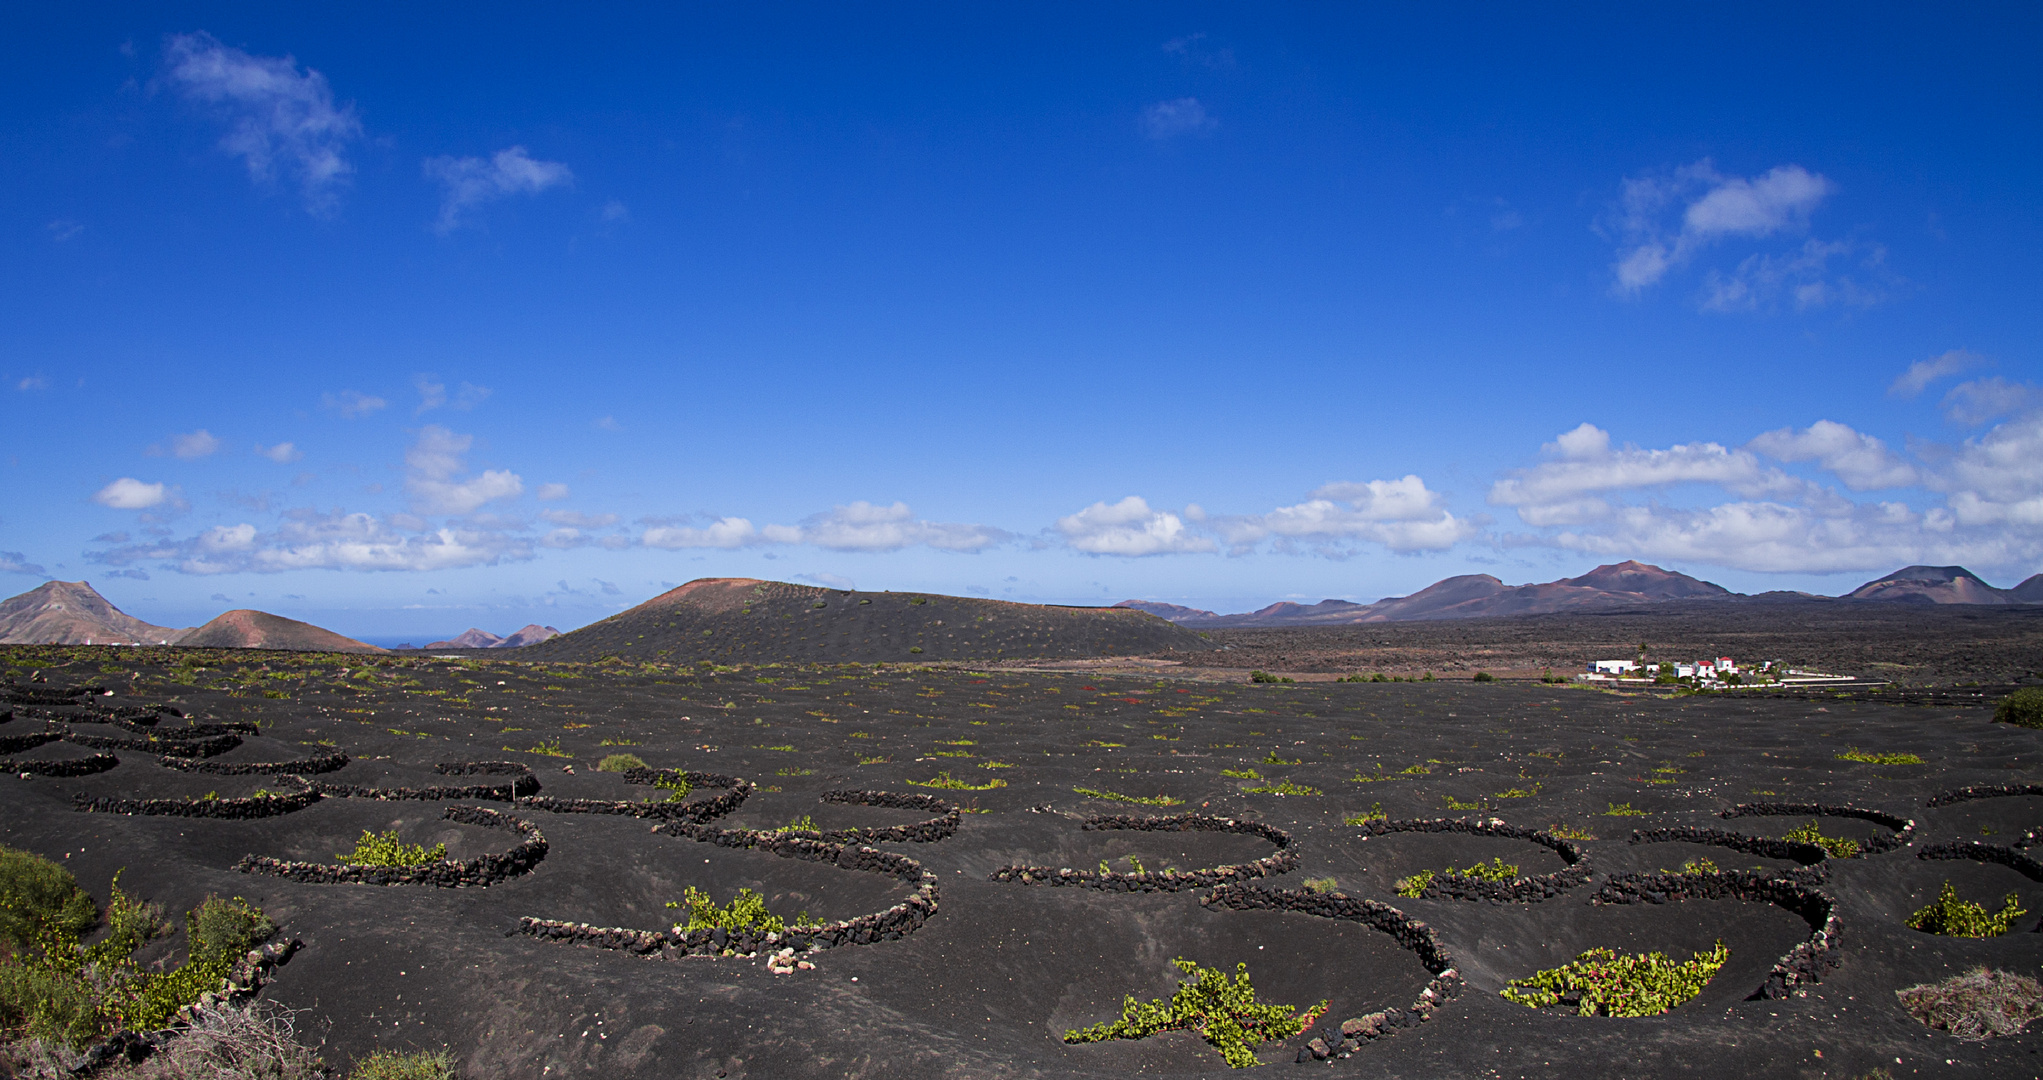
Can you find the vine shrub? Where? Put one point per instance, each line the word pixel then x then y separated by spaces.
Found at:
pixel 1224 1012
pixel 1495 870
pixel 1601 981
pixel 1953 917
pixel 385 849
pixel 746 911
pixel 1837 847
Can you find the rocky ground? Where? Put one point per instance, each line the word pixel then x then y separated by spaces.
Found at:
pixel 988 984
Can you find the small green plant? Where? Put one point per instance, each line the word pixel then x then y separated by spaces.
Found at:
pixel 1281 787
pixel 1225 1013
pixel 1696 866
pixel 1414 886
pixel 403 1065
pixel 1374 813
pixel 1140 800
pixel 1518 793
pixel 1856 754
pixel 1953 917
pixel 1456 804
pixel 620 763
pixel 675 785
pixel 1837 847
pixel 1601 981
pixel 1570 832
pixel 1484 676
pixel 1494 870
pixel 876 759
pixel 1415 770
pixel 385 849
pixel 2023 708
pixel 945 781
pixel 1241 774
pixel 805 823
pixel 1321 885
pixel 1271 758
pixel 746 911
pixel 549 747
pixel 1623 810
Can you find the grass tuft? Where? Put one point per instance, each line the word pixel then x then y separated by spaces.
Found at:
pixel 1979 1004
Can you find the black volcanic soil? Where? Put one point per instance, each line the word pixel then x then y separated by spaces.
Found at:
pixel 988 985
pixel 1906 644
pixel 740 620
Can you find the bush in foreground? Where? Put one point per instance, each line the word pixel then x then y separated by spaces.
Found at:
pixel 2023 708
pixel 620 763
pixel 1979 1004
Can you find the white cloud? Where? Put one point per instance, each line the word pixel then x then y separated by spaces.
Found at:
pixel 552 492
pixel 1179 116
pixel 472 181
pixel 435 460
pixel 1713 207
pixel 128 493
pixel 1803 276
pixel 730 532
pixel 283 453
pixel 351 404
pixel 858 526
pixel 1402 515
pixel 1130 528
pixel 433 394
pixel 14 562
pixel 1588 466
pixel 280 120
pixel 1861 461
pixel 1976 401
pixel 1924 372
pixel 198 444
pixel 578 519
pixel 307 540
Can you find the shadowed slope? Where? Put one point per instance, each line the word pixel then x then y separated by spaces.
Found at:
pixel 73 613
pixel 1936 585
pixel 745 620
pixel 246 629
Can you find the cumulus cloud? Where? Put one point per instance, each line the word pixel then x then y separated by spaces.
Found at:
pixel 1804 277
pixel 471 181
pixel 551 492
pixel 309 540
pixel 1976 401
pixel 351 404
pixel 1713 207
pixel 1130 528
pixel 283 453
pixel 281 120
pixel 198 444
pixel 857 526
pixel 14 562
pixel 433 395
pixel 1612 502
pixel 1920 374
pixel 1861 461
pixel 128 493
pixel 434 464
pixel 1179 116
pixel 1402 515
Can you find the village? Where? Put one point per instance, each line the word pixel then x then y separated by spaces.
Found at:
pixel 1722 673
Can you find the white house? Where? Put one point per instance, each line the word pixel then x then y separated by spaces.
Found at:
pixel 1613 667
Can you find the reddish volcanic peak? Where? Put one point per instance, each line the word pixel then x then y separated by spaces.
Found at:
pixel 248 629
pixel 1636 577
pixel 73 613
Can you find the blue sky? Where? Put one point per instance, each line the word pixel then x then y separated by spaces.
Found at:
pixel 404 321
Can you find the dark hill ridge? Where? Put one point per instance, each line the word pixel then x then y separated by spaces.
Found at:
pixel 751 621
pixel 1617 586
pixel 73 613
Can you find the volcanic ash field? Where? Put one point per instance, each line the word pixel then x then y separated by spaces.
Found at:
pixel 969 865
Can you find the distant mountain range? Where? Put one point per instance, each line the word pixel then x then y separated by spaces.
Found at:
pixel 73 613
pixel 472 638
pixel 1625 585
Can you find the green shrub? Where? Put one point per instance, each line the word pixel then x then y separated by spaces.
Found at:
pixel 1321 884
pixel 1856 754
pixel 2023 708
pixel 1115 796
pixel 1953 917
pixel 1374 813
pixel 1414 886
pixel 385 849
pixel 37 897
pixel 397 1065
pixel 1601 981
pixel 1837 847
pixel 746 911
pixel 620 763
pixel 1484 676
pixel 1226 1014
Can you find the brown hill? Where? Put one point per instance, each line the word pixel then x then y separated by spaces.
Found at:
pixel 1935 585
pixel 2030 591
pixel 1471 596
pixel 73 613
pixel 246 629
pixel 529 634
pixel 745 620
pixel 470 638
